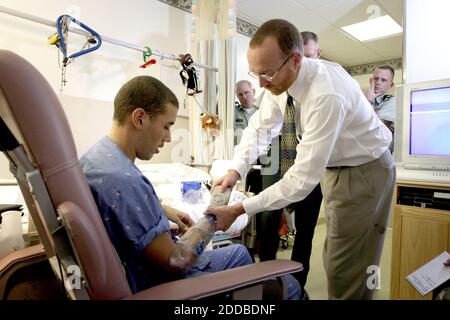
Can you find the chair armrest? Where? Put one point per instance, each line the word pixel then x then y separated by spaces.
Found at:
pixel 33 253
pixel 9 207
pixel 219 282
pixel 17 260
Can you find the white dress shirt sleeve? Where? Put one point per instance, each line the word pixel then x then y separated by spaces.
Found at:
pixel 263 126
pixel 323 119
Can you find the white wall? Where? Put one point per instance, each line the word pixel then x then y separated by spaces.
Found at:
pixel 427 49
pixel 242 43
pixel 90 119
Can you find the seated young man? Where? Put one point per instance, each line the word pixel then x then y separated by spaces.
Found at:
pixel 144 112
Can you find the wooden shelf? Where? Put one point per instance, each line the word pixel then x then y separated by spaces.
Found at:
pixel 418 235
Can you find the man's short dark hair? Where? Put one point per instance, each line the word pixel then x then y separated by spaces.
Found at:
pixel 309 35
pixel 286 33
pixel 143 92
pixel 387 67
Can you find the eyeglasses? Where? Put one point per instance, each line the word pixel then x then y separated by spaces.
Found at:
pixel 266 77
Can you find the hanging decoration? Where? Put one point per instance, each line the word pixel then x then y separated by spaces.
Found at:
pixel 210 123
pixel 189 75
pixel 148 63
pixel 145 55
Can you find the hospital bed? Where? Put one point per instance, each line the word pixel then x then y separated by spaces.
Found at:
pixel 36 138
pixel 168 180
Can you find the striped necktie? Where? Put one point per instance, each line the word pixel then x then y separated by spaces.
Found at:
pixel 288 138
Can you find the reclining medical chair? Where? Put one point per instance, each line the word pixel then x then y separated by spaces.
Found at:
pixel 36 138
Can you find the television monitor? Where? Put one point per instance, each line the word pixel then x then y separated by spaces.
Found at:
pixel 422 131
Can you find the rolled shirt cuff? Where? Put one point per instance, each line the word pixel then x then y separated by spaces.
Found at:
pixel 240 167
pixel 252 205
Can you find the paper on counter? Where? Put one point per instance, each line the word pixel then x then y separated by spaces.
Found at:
pixel 431 275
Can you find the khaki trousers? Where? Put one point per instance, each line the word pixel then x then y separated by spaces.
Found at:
pixel 357 202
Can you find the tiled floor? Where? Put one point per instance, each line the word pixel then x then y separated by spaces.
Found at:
pixel 317 283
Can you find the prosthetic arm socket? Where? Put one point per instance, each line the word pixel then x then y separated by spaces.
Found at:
pixel 194 241
pixel 192 244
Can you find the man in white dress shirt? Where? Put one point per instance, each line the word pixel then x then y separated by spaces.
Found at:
pixel 344 146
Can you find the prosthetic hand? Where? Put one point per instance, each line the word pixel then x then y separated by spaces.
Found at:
pixel 219 198
pixel 192 244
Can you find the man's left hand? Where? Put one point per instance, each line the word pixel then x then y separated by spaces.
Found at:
pixel 181 218
pixel 184 222
pixel 370 93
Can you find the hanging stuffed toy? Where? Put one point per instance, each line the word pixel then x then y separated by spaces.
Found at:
pixel 189 75
pixel 210 123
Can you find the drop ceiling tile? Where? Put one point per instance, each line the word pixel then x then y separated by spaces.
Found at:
pixel 343 12
pixel 397 16
pixel 389 48
pixel 311 5
pixel 339 47
pixel 391 5
pixel 261 11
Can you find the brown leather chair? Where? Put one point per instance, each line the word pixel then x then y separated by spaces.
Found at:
pixel 36 138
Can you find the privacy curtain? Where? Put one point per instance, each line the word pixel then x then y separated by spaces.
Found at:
pixel 213 42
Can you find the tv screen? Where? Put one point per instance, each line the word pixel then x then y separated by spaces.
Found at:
pixel 430 122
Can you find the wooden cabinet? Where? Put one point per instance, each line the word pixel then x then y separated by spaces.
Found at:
pixel 419 234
